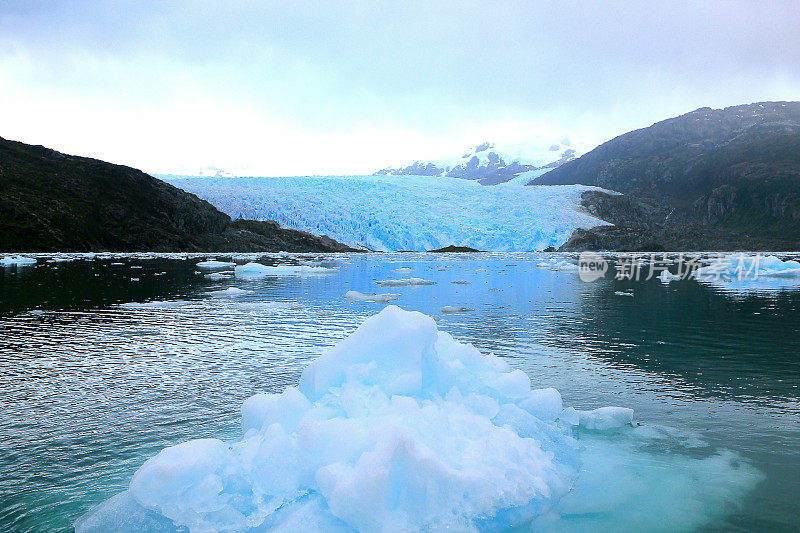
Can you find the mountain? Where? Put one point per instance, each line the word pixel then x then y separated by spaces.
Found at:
pixel 710 179
pixel 490 164
pixel 50 201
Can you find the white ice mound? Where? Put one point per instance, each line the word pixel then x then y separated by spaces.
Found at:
pixel 254 270
pixel 397 428
pixel 16 260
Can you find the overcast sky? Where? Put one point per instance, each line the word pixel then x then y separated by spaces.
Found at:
pixel 296 87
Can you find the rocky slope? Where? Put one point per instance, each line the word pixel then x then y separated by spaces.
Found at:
pixel 490 164
pixel 710 179
pixel 50 201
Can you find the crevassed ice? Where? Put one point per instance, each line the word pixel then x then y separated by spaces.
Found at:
pixel 402 428
pixel 392 213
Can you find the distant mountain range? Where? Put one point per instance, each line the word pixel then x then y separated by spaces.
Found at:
pixel 490 164
pixel 50 201
pixel 710 179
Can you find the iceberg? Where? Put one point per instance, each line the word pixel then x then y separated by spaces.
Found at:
pixel 17 260
pixel 399 427
pixel 371 297
pixel 217 276
pixel 666 276
pixel 744 273
pixel 211 265
pixel 254 270
pixel 397 213
pixel 405 282
pixel 229 292
pixel 450 309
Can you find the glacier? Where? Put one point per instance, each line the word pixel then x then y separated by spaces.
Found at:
pixel 400 427
pixel 397 213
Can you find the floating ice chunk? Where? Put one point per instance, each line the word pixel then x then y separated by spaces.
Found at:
pixel 666 276
pixel 601 419
pixel 742 272
pixel 543 403
pixel 405 282
pixel 622 293
pixel 454 309
pixel 397 428
pixel 156 304
pixel 460 282
pixel 230 291
pixel 216 276
pixel 211 265
pixel 403 270
pixel 371 297
pixel 17 260
pixel 257 270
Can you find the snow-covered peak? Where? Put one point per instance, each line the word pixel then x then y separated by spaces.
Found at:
pixel 492 163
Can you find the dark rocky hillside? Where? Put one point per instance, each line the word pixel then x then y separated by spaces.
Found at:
pixel 710 179
pixel 50 201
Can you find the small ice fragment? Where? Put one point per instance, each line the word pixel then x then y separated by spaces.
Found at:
pixel 230 291
pixel 666 276
pixel 371 297
pixel 460 282
pixel 601 419
pixel 254 270
pixel 402 270
pixel 17 260
pixel 404 282
pixel 211 265
pixel 453 309
pixel 623 293
pixel 227 274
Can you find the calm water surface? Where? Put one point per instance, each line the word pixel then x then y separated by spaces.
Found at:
pixel 99 372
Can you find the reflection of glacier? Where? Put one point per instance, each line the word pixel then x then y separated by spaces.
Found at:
pixel 392 213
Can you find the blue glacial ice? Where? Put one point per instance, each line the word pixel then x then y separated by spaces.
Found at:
pixel 744 273
pixel 17 260
pixel 402 428
pixel 393 213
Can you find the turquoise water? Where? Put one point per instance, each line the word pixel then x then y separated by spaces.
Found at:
pixel 94 383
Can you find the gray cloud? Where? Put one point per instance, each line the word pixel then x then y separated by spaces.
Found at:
pixel 599 68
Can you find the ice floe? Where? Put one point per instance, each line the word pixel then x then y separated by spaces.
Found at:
pixel 745 273
pixel 217 276
pixel 666 276
pixel 17 260
pixel 255 270
pixel 405 282
pixel 449 309
pixel 371 297
pixel 211 265
pixel 229 292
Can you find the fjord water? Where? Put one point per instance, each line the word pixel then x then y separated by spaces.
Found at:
pixel 100 372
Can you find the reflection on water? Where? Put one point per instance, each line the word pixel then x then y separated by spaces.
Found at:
pixel 93 385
